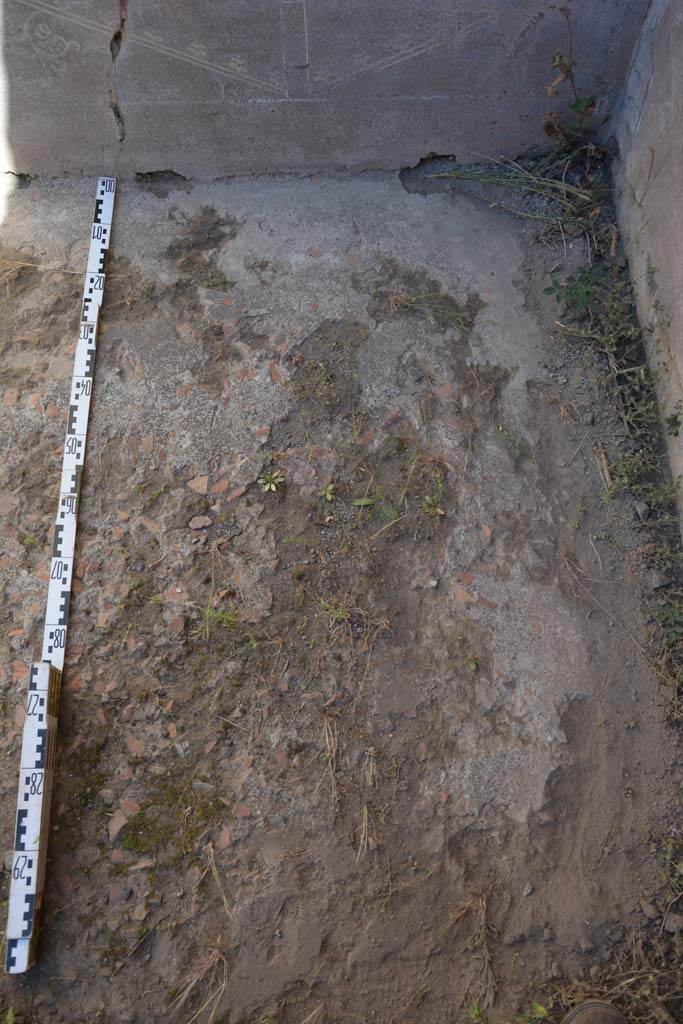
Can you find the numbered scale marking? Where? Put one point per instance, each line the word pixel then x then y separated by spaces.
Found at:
pixel 39 742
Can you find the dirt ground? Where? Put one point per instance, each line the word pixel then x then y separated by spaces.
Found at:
pixel 355 724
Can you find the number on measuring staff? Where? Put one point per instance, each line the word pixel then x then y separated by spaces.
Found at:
pixel 33 708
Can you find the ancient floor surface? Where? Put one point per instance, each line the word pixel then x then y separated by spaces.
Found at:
pixel 373 745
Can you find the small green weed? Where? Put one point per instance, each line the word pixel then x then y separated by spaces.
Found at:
pixel 339 611
pixel 577 292
pixel 632 473
pixel 328 492
pixel 661 496
pixel 628 471
pixel 432 504
pixel 573 134
pixel 387 512
pixel 431 507
pixel 514 444
pixel 663 556
pixel 536 1013
pixel 580 514
pixel 612 324
pixel 271 480
pixel 669 616
pixel 668 623
pixel 218 617
pixel 674 422
pixel 672 855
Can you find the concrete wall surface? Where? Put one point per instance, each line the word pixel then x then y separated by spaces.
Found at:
pixel 649 180
pixel 224 87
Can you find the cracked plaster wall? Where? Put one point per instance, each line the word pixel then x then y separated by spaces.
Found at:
pixel 212 88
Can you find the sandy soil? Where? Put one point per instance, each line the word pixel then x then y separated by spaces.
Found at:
pixel 353 727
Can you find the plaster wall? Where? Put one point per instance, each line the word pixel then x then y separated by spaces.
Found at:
pixel 214 88
pixel 649 193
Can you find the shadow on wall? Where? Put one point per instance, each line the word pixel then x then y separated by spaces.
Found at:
pixel 102 87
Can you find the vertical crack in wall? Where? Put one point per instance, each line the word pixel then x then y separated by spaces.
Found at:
pixel 114 48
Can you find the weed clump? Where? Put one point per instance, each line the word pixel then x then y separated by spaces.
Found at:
pixel 399 291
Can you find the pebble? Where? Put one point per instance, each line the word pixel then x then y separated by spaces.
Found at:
pixel 135 746
pixel 125 1016
pixel 642 510
pixel 199 522
pixel 673 923
pixel 200 484
pixel 139 913
pixel 142 865
pixel 656 580
pixel 203 787
pixel 649 910
pixel 224 838
pixel 116 823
